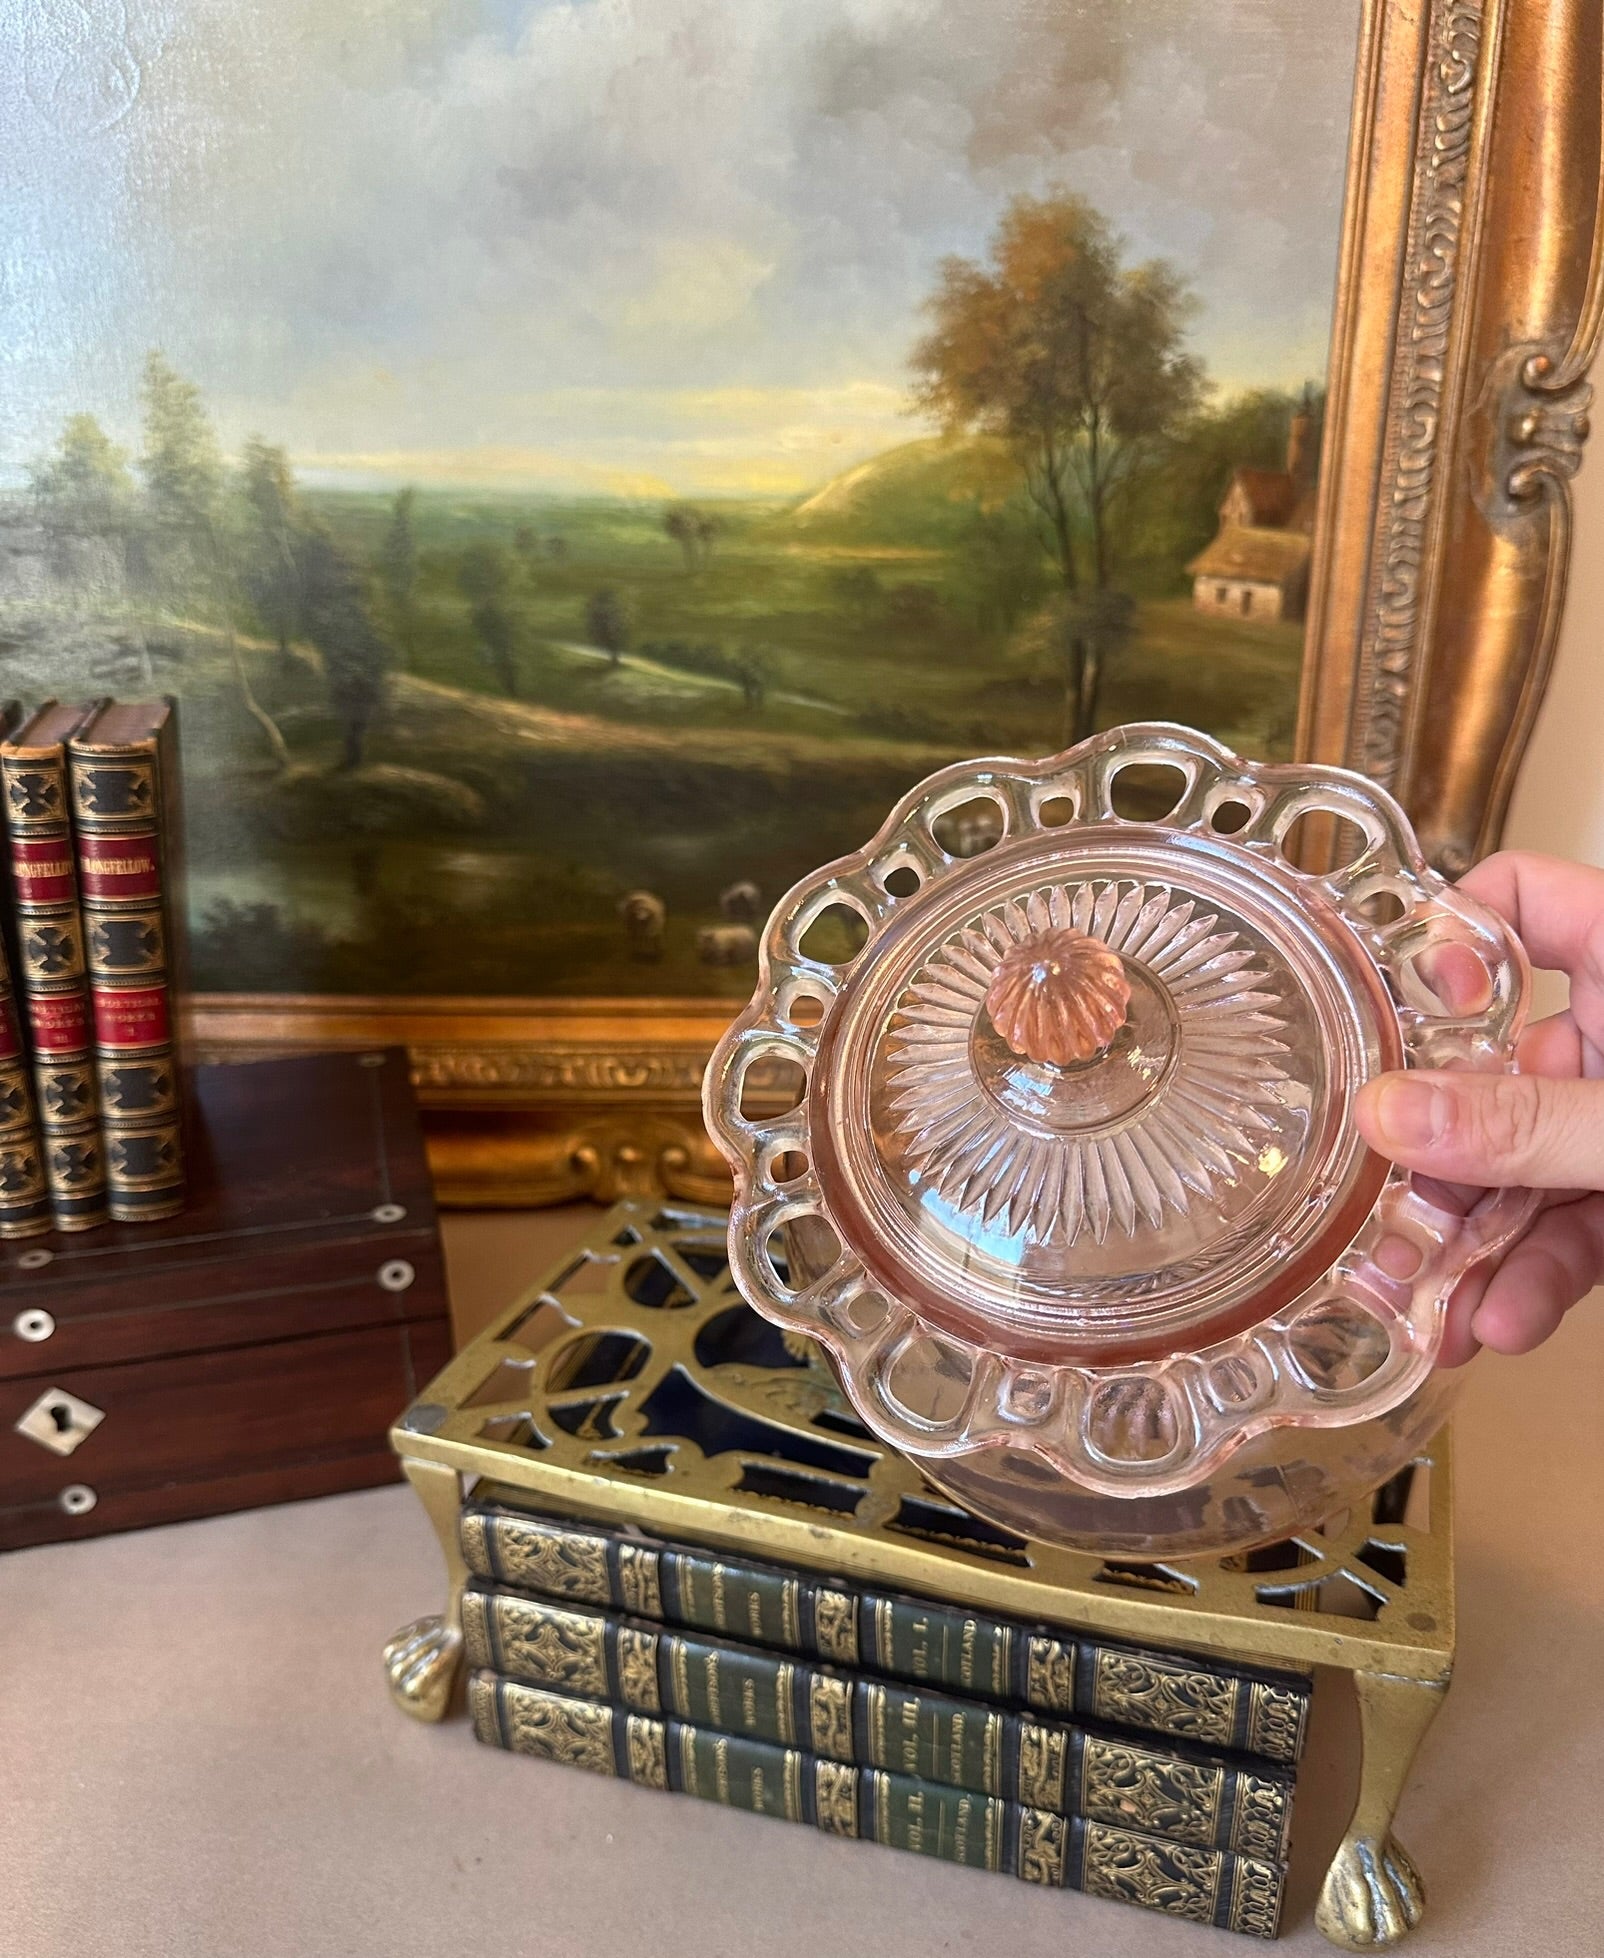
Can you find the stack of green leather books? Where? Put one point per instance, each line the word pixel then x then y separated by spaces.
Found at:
pixel 1156 1779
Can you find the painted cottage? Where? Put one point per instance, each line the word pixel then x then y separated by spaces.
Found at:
pixel 1258 564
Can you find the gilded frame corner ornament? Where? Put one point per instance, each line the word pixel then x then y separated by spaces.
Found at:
pixel 1470 304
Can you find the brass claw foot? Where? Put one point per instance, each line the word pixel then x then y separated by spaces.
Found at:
pixel 1372 1895
pixel 422 1662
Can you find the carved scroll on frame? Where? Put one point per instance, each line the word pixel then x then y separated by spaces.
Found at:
pixel 1467 315
pixel 1459 404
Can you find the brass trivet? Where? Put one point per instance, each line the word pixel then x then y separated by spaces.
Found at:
pixel 634 1387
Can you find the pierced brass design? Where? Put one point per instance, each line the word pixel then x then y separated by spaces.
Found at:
pixel 762 1457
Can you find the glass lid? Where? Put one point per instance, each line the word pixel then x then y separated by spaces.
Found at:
pixel 1040 1115
pixel 1091 1097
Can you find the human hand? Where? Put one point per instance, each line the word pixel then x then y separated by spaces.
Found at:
pixel 1542 1129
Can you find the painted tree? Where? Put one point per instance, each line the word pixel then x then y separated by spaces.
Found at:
pixel 398 568
pixel 857 587
pixel 608 623
pixel 339 622
pixel 484 575
pixel 273 526
pixel 683 525
pixel 1079 363
pixel 1055 639
pixel 755 669
pixel 182 468
pixel 83 485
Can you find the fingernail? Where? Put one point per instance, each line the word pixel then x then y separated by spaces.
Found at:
pixel 1412 1114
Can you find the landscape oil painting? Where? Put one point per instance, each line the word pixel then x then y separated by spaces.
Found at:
pixel 578 461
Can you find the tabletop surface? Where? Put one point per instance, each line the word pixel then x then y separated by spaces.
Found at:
pixel 200 1757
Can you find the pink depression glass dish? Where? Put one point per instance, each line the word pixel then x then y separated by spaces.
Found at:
pixel 1040 1127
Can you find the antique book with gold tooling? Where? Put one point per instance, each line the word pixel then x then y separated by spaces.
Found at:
pixel 1168 1789
pixel 1204 1885
pixel 24 1194
pixel 51 973
pixel 917 1640
pixel 124 768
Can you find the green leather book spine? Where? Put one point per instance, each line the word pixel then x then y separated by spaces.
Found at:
pixel 1177 1793
pixel 917 1641
pixel 1205 1886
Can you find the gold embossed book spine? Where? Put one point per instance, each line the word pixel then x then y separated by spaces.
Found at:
pixel 1182 1793
pixel 1202 1885
pixel 124 769
pixel 24 1194
pixel 919 1641
pixel 50 959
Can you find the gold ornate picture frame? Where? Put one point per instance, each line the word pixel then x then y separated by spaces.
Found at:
pixel 1467 315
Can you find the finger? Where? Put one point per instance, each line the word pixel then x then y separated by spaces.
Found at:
pixel 1558 1262
pixel 1553 1047
pixel 1559 1045
pixel 1459 1342
pixel 1556 908
pixel 1494 1129
pixel 1457 978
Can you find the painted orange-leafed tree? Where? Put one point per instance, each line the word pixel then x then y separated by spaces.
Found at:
pixel 1079 363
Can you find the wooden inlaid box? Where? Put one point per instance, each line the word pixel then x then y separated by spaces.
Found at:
pixel 253 1349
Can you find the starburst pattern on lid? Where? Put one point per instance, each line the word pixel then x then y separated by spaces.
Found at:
pixel 1202 1122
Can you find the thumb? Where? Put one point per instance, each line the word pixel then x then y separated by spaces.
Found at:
pixel 1496 1130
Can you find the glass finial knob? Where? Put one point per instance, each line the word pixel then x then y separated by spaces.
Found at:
pixel 1059 996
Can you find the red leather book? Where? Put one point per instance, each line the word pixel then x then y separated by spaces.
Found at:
pixel 24 1194
pixel 124 771
pixel 50 960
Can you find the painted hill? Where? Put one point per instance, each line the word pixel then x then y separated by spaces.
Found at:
pixel 914 492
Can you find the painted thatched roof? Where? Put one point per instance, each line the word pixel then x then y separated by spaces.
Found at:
pixel 1263 557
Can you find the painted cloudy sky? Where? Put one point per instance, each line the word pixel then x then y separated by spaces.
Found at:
pixel 620 244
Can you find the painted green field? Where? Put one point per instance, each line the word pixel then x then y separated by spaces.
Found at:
pixel 766 695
